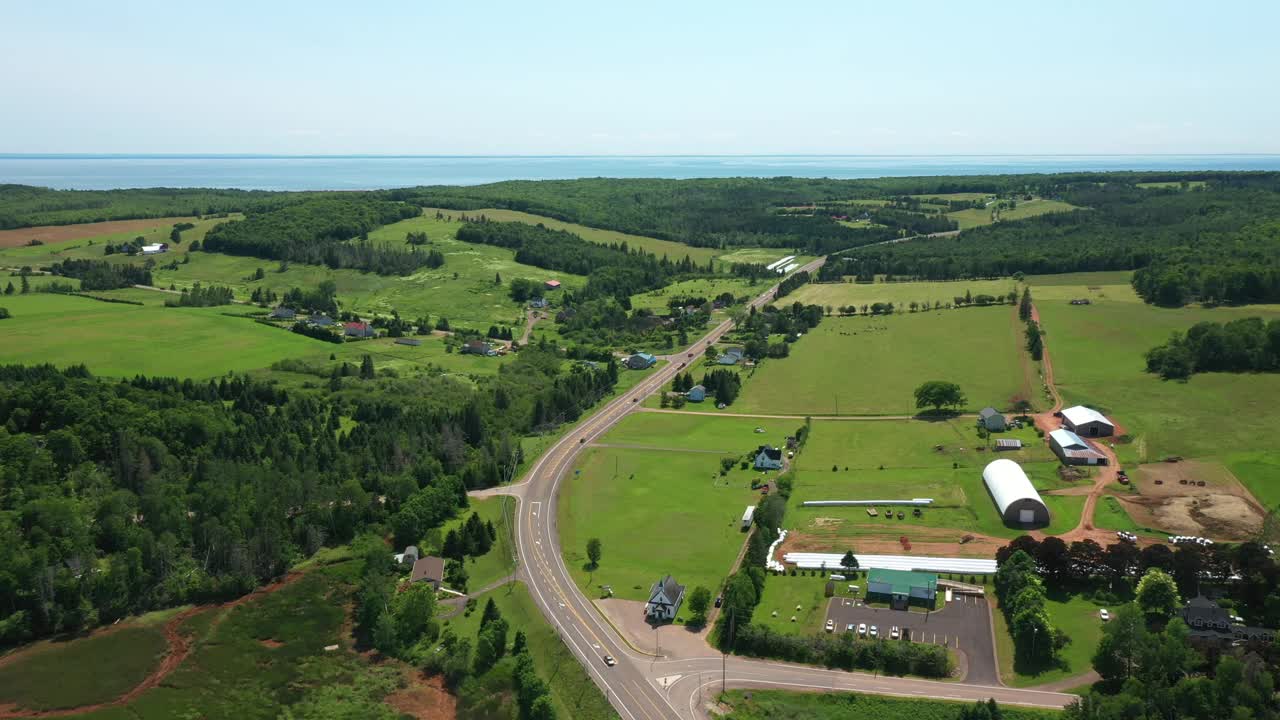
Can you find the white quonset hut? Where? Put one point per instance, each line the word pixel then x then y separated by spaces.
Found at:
pixel 1087 422
pixel 1019 503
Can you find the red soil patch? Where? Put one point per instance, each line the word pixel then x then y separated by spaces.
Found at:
pixel 180 645
pixel 52 234
pixel 269 643
pixel 424 698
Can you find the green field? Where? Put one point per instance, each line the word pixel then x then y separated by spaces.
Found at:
pixel 93 248
pixel 872 365
pixel 889 460
pixel 1097 353
pixel 901 294
pixel 125 340
pixel 572 690
pixel 708 288
pixel 1026 208
pixel 1075 615
pixel 786 705
pixel 760 256
pixel 1109 514
pixel 70 674
pixel 672 250
pixel 655 512
pixel 783 593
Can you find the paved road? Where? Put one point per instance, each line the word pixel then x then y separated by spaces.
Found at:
pixel 642 687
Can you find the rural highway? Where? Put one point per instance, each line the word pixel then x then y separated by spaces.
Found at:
pixel 641 686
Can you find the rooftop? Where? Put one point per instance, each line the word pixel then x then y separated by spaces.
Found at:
pixel 901 581
pixel 1079 415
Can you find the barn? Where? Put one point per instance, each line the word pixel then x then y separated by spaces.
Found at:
pixel 1087 422
pixel 1016 499
pixel 1072 449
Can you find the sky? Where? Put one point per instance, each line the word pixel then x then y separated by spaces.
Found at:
pixel 611 78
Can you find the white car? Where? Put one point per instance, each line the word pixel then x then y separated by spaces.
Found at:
pixel 893 632
pixel 871 631
pixel 862 628
pixel 608 660
pixel 851 628
pixel 831 625
pixel 1104 615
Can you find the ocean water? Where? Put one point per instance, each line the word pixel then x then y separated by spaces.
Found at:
pixel 265 172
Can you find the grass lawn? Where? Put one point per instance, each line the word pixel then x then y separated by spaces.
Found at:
pixel 575 695
pixel 872 365
pixel 495 564
pixel 901 294
pixel 701 287
pixel 727 433
pixel 673 250
pixel 889 460
pixel 786 705
pixel 1074 615
pixel 69 674
pixel 783 593
pixel 1025 209
pixel 1111 515
pixel 1098 351
pixel 676 501
pixel 120 340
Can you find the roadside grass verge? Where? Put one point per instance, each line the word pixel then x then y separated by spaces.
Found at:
pixel 786 705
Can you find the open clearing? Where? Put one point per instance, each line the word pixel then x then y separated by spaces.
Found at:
pixel 1222 508
pixel 655 512
pixel 1026 208
pixel 872 365
pixel 1098 352
pixel 54 234
pixel 68 674
pixel 708 288
pixel 672 250
pixel 760 256
pixel 901 294
pixel 120 340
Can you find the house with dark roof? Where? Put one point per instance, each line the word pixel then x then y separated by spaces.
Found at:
pixel 282 313
pixel 664 600
pixel 768 458
pixel 359 330
pixel 539 302
pixel 1211 624
pixel 429 569
pixel 320 321
pixel 992 419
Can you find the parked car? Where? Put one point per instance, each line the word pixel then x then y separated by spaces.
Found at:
pixel 893 633
pixel 862 628
pixel 872 632
pixel 851 628
pixel 608 660
pixel 719 600
pixel 831 625
pixel 1104 615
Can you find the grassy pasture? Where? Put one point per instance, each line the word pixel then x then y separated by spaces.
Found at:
pixel 673 250
pixel 655 512
pixel 786 705
pixel 99 668
pixel 1072 613
pixel 91 246
pixel 872 365
pixel 901 294
pixel 976 217
pixel 1098 351
pixel 120 340
pixel 725 434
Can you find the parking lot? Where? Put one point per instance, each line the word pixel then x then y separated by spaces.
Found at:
pixel 964 624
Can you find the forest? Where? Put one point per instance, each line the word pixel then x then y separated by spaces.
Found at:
pixel 327 231
pixel 1244 345
pixel 26 206
pixel 102 275
pixel 121 497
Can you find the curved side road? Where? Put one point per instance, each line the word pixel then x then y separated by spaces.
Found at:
pixel 641 687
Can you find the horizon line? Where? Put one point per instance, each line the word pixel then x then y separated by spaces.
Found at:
pixel 394 156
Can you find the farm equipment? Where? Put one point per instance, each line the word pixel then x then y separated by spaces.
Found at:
pixel 917 512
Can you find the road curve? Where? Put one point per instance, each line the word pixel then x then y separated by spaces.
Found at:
pixel 640 686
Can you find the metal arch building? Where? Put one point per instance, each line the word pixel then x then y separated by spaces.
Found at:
pixel 1019 503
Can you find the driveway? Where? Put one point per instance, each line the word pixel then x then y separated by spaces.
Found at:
pixel 964 624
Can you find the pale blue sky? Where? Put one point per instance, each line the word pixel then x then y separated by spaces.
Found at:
pixel 639 78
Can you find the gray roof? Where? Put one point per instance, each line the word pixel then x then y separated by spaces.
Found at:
pixel 672 589
pixel 430 569
pixel 988 412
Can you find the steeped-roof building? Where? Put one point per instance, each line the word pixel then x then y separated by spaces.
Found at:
pixel 1072 449
pixel 664 600
pixel 992 419
pixel 768 458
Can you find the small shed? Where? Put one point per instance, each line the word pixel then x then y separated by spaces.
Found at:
pixel 1006 444
pixel 283 313
pixel 697 393
pixel 992 419
pixel 411 342
pixel 552 284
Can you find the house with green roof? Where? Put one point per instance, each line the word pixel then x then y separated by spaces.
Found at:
pixel 901 588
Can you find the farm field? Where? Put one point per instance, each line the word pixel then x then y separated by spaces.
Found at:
pixel 92 246
pixel 1075 615
pixel 688 515
pixel 1026 208
pixel 836 295
pixel 672 250
pixel 121 340
pixel 783 705
pixel 891 460
pixel 723 434
pixel 106 665
pixel 872 365
pixel 59 234
pixel 1098 358
pixel 573 692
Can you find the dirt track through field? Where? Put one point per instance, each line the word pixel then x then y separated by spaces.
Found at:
pixel 53 234
pixel 180 646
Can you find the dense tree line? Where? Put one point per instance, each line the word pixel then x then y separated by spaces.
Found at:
pixel 125 496
pixel 1243 345
pixel 795 281
pixel 1231 268
pixel 198 296
pixel 25 206
pixel 330 231
pixel 1022 600
pixel 843 651
pixel 102 275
